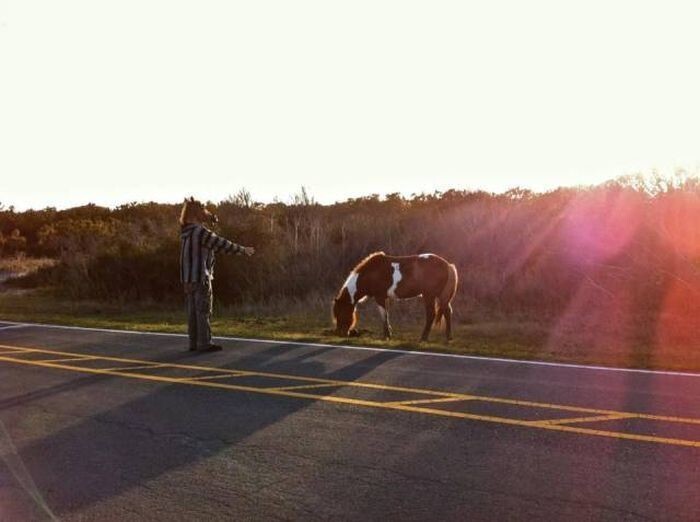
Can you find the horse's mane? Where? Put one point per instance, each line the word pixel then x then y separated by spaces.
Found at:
pixel 367 260
pixel 361 265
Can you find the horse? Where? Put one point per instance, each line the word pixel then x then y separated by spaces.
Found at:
pixel 381 277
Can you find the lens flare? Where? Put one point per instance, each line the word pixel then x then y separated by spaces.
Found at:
pixel 599 225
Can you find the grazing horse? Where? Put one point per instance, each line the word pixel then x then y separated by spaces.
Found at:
pixel 381 276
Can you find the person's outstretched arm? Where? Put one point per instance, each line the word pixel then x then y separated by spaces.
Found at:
pixel 221 244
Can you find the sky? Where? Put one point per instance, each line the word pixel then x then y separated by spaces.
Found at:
pixel 145 100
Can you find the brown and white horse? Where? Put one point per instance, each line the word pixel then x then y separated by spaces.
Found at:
pixel 382 277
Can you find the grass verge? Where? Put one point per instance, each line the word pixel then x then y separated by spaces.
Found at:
pixel 516 339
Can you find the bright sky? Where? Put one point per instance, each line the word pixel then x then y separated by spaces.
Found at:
pixel 134 100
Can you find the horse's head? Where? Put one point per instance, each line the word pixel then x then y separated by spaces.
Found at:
pixel 344 314
pixel 194 211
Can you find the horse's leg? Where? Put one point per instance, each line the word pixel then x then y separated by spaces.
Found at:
pixel 448 322
pixel 384 312
pixel 429 316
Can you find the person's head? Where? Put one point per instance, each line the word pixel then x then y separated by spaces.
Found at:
pixel 194 211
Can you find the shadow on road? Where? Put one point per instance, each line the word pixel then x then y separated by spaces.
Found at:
pixel 166 428
pixel 81 380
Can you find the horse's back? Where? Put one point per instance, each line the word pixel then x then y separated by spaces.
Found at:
pixel 427 257
pixel 414 275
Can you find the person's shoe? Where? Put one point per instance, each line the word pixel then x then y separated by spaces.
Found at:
pixel 193 348
pixel 210 348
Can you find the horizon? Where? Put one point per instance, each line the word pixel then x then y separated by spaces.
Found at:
pixel 679 176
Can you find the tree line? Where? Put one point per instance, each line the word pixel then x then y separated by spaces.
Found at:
pixel 629 246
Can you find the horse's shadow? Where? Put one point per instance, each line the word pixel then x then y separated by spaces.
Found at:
pixel 166 428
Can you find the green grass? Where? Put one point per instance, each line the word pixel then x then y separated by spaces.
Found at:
pixel 517 339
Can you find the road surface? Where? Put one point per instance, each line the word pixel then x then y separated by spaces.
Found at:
pixel 105 425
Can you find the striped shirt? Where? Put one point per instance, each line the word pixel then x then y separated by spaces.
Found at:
pixel 198 245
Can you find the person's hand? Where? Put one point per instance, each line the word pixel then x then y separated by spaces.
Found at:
pixel 249 251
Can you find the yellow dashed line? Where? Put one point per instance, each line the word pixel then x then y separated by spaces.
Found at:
pixel 406 406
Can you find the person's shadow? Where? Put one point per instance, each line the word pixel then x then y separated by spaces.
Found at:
pixel 165 428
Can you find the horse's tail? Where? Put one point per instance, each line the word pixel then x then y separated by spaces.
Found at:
pixel 447 293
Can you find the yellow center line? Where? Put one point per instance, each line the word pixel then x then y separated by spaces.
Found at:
pixel 217 376
pixel 561 407
pixel 421 391
pixel 302 387
pixel 594 418
pixel 428 401
pixel 374 404
pixel 26 352
pixel 138 367
pixel 10 352
pixel 285 376
pixel 63 359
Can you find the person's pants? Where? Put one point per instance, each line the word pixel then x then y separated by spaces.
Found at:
pixel 198 300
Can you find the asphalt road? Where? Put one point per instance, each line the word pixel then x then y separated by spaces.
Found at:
pixel 99 425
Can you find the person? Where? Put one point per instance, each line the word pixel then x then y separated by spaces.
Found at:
pixel 198 245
